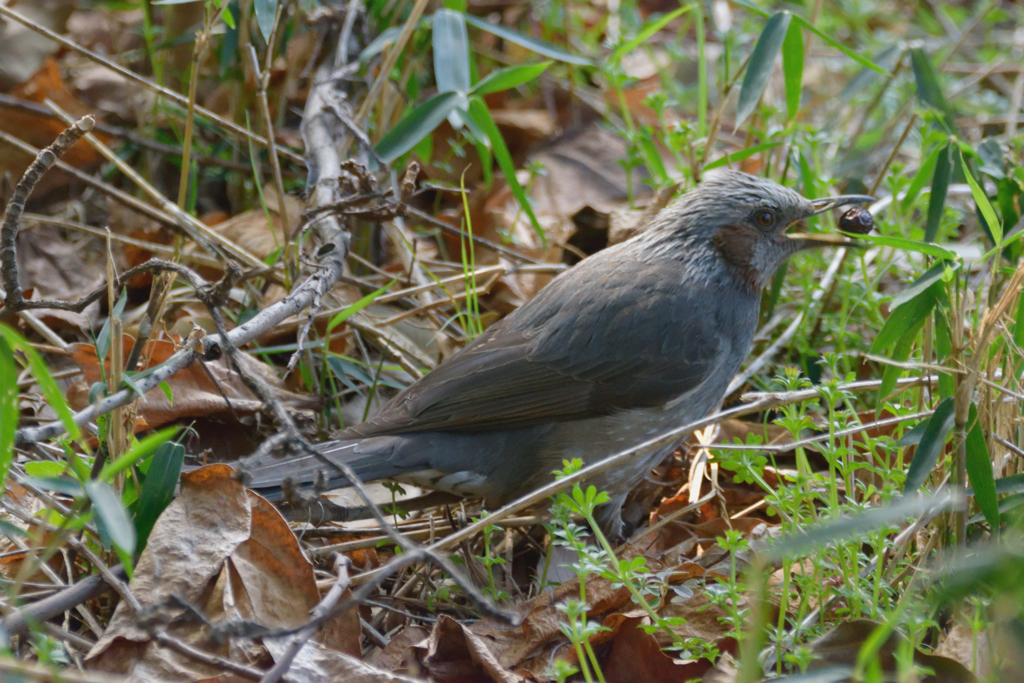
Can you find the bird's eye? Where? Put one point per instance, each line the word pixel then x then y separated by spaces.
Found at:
pixel 764 218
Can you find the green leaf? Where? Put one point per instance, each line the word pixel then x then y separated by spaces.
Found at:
pixel 51 392
pixel 451 51
pixel 103 339
pixel 158 489
pixel 9 409
pixel 979 472
pixel 386 37
pixel 910 245
pixel 793 67
pixel 740 155
pixel 140 450
pixel 943 350
pixel 937 200
pixel 921 178
pixel 509 77
pixel 1018 326
pixel 800 542
pixel 645 35
pixel 995 226
pixel 992 162
pixel 266 11
pixel 762 60
pixel 45 469
pixel 905 317
pixel 928 451
pixel 863 61
pixel 111 515
pixel 899 354
pixel 928 89
pixel 418 124
pixel 65 485
pixel 539 46
pixel 930 277
pixel 350 310
pixel 478 112
pixel 166 388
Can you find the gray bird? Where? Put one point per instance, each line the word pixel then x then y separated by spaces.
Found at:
pixel 635 340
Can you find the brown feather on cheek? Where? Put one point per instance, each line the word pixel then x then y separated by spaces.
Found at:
pixel 736 243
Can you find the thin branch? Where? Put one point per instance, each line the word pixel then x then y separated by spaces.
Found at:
pixel 43 162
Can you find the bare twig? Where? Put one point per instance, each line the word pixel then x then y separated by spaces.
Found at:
pixel 16 206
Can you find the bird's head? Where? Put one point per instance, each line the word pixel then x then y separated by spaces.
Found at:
pixel 745 219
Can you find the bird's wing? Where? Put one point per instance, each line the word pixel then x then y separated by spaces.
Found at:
pixel 622 335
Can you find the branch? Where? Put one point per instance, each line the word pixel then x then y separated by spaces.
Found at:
pixel 43 162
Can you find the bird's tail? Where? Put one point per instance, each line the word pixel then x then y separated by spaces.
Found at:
pixel 368 459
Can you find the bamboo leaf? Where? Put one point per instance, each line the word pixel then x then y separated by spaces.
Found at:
pixel 910 245
pixel 509 77
pixel 266 11
pixel 928 451
pixel 539 46
pixel 9 409
pixel 740 155
pixel 482 117
pixel 860 59
pixel 158 489
pixel 418 124
pixel 645 35
pixel 937 200
pixel 921 178
pixel 111 515
pixel 979 472
pixel 451 51
pixel 995 226
pixel 793 67
pixel 928 89
pixel 904 317
pixel 762 60
pixel 139 451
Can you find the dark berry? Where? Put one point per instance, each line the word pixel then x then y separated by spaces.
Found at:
pixel 857 221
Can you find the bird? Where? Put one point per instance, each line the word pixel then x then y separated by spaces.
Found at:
pixel 639 338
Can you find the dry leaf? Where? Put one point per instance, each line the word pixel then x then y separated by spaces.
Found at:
pixel 454 653
pixel 841 647
pixel 637 656
pixel 229 554
pixel 196 390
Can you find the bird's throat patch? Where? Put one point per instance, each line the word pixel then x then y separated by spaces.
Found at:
pixel 737 244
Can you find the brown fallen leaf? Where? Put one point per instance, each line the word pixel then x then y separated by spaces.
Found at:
pixel 454 653
pixel 637 656
pixel 202 388
pixel 227 553
pixel 841 647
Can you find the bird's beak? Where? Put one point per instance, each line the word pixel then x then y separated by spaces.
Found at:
pixel 828 203
pixel 802 240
